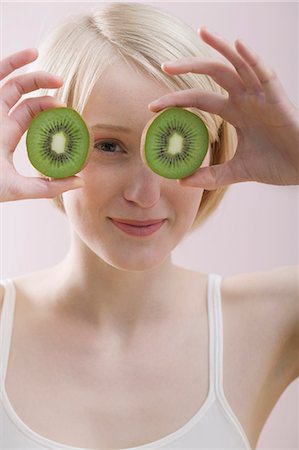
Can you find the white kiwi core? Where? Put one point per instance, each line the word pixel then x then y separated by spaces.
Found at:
pixel 175 144
pixel 58 142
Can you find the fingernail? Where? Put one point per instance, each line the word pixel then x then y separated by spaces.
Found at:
pixel 169 63
pixel 60 104
pixel 211 32
pixel 246 46
pixel 155 104
pixel 69 185
pixel 58 78
pixel 35 50
pixel 78 182
pixel 190 181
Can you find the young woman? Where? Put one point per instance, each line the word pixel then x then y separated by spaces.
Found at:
pixel 116 347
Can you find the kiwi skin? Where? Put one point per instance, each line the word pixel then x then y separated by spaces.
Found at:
pixel 144 135
pixel 48 172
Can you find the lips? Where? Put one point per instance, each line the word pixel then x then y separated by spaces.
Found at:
pixel 140 228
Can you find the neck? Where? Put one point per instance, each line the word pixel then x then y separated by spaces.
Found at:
pixel 106 297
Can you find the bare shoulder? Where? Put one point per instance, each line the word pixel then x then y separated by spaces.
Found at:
pixel 271 300
pixel 275 289
pixel 30 288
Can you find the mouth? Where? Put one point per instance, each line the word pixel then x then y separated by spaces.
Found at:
pixel 138 228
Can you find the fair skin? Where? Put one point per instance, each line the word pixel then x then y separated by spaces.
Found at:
pixel 265 119
pixel 122 293
pixel 128 190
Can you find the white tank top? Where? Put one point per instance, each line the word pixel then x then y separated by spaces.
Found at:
pixel 214 426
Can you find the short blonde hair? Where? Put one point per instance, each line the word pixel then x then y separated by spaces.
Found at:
pixel 82 47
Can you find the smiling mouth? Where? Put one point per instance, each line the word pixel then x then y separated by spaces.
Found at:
pixel 138 228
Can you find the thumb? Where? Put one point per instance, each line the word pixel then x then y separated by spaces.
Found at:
pixel 214 177
pixel 40 187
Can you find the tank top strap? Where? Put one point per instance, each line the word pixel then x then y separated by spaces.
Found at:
pixel 6 324
pixel 215 334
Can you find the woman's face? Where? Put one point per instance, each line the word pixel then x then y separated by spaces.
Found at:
pixel 119 187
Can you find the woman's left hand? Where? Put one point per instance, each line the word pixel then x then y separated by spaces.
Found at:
pixel 265 120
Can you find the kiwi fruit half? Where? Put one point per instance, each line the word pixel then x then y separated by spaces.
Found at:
pixel 58 142
pixel 174 143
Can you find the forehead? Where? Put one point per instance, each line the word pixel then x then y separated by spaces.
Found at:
pixel 123 93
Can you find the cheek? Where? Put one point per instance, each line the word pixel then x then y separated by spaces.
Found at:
pixel 188 201
pixel 83 206
pixel 100 184
pixel 98 179
pixel 75 206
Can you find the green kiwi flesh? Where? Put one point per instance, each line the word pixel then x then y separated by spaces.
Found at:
pixel 58 142
pixel 175 143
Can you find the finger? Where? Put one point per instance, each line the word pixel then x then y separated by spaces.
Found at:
pixel 246 73
pixel 214 177
pixel 17 60
pixel 39 187
pixel 224 75
pixel 13 89
pixel 21 118
pixel 270 83
pixel 197 98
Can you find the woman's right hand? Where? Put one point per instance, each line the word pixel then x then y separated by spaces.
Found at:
pixel 15 122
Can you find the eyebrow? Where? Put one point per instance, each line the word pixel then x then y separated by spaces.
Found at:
pixel 110 127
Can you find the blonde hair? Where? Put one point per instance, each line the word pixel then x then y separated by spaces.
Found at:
pixel 81 48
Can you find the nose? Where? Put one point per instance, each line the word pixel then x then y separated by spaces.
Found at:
pixel 143 186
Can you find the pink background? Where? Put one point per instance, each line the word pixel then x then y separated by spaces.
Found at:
pixel 255 227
